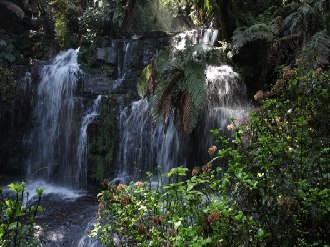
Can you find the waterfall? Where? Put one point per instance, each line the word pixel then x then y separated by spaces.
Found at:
pixel 57 147
pixel 226 99
pixel 51 155
pixel 143 145
pixel 89 117
pixel 206 37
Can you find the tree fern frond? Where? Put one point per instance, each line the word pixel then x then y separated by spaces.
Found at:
pixel 194 84
pixel 258 31
pixel 14 8
pixel 305 20
pixel 180 78
pixel 267 16
pixel 317 51
pixel 280 48
pixel 162 58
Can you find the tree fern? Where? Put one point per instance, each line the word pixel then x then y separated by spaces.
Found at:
pixel 180 86
pixel 194 84
pixel 305 20
pixel 281 47
pixel 317 51
pixel 257 31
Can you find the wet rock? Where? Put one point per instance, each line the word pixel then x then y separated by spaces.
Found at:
pixel 64 222
pixel 107 54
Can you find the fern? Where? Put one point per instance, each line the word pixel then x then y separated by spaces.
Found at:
pixel 180 86
pixel 194 83
pixel 258 31
pixel 280 48
pixel 305 20
pixel 6 48
pixel 317 51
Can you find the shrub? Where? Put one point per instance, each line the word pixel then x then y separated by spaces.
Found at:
pixel 17 217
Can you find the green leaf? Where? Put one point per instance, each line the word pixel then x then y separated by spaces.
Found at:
pixel 39 191
pixel 17 188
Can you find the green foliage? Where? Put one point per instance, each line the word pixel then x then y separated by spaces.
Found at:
pixel 194 212
pixel 66 25
pixel 305 20
pixel 8 84
pixel 317 51
pixel 274 191
pixel 280 34
pixel 101 144
pixel 17 218
pixel 280 153
pixel 255 32
pixel 178 83
pixel 142 85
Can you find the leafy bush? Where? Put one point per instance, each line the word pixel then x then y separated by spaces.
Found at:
pixel 17 218
pixel 273 189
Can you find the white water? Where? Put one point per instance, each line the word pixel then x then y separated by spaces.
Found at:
pixel 63 193
pixel 53 135
pixel 205 37
pixel 143 145
pixel 57 146
pixel 226 99
pixel 86 240
pixel 89 117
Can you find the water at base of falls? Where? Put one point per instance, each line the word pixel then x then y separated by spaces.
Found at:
pixel 67 215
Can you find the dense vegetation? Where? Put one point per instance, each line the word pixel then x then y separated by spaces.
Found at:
pixel 266 185
pixel 273 192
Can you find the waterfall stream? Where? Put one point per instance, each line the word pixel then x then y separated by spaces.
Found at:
pixel 89 117
pixel 57 160
pixel 57 147
pixel 143 145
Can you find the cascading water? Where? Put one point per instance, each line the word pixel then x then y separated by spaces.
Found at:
pixel 143 145
pixel 57 145
pixel 89 117
pixel 226 99
pixel 52 152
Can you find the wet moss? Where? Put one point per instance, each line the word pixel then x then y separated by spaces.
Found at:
pixel 101 144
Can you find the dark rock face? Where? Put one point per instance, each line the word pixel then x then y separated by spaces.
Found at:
pixel 119 63
pixel 15 120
